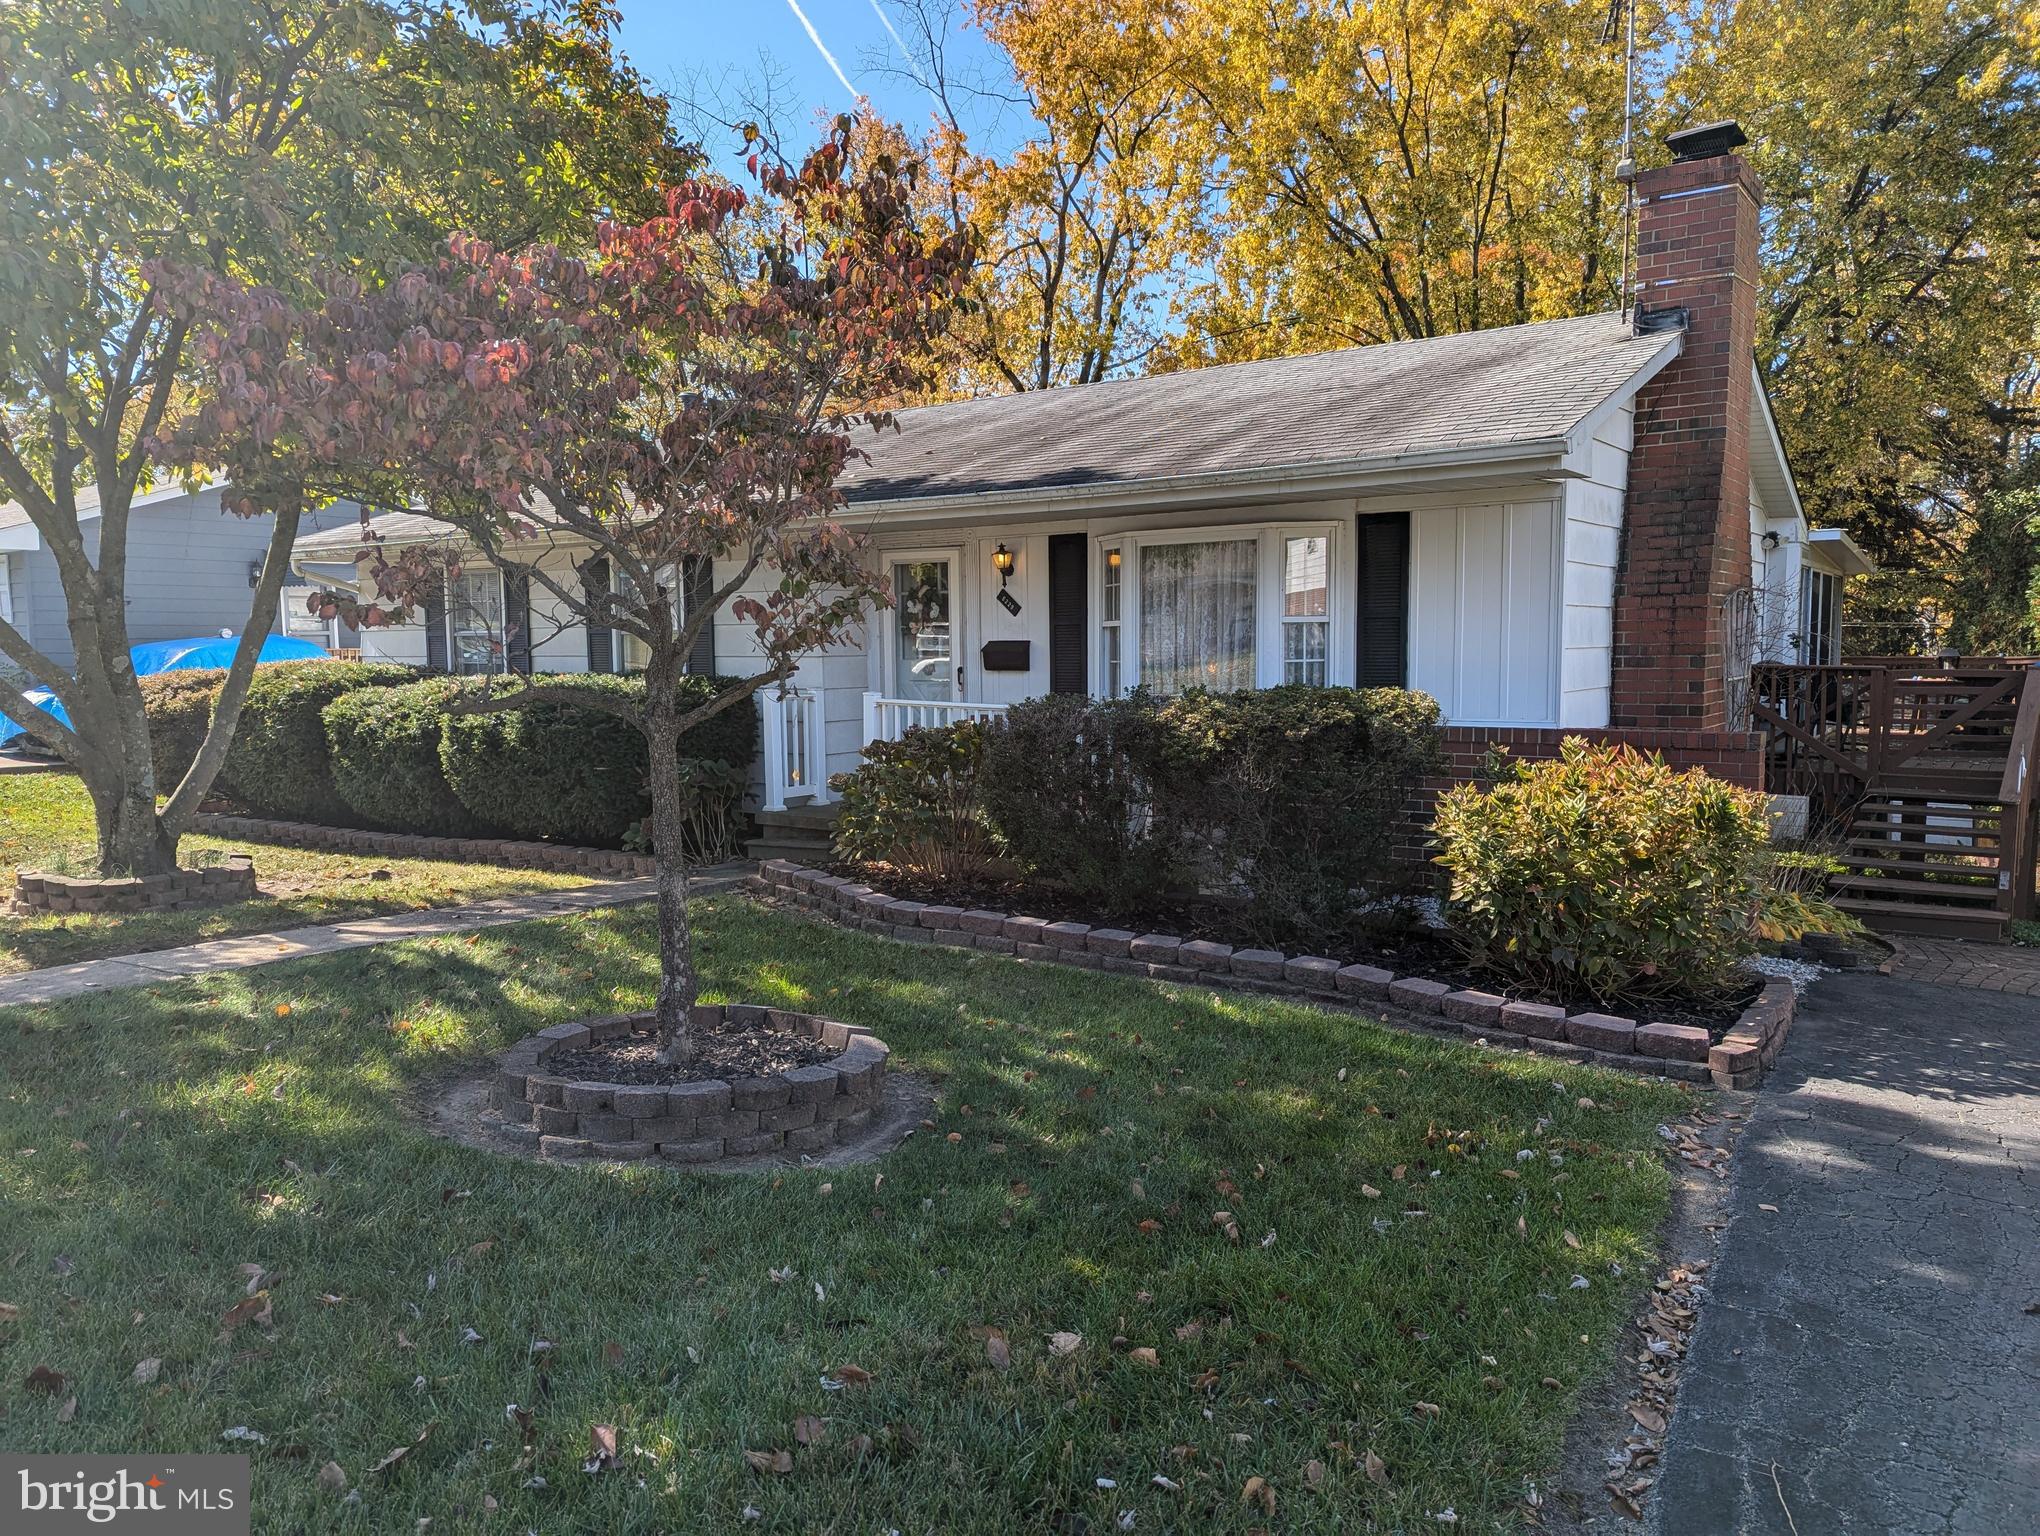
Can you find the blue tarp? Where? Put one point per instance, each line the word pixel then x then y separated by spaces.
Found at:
pixel 175 656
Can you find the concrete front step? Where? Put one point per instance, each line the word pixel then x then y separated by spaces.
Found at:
pixel 807 818
pixel 814 855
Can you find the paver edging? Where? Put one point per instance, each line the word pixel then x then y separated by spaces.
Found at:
pixel 800 1109
pixel 216 885
pixel 562 858
pixel 1678 1051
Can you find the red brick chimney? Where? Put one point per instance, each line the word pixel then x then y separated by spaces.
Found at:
pixel 1686 531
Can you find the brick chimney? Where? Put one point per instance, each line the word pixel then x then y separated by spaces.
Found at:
pixel 1686 531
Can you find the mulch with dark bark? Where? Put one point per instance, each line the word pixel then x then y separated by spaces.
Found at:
pixel 730 1051
pixel 1408 950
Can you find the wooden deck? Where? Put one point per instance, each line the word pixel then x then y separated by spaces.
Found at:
pixel 1926 774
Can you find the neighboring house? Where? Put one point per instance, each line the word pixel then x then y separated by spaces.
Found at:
pixel 191 571
pixel 1551 528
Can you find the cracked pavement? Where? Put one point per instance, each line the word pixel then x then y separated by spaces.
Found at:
pixel 1865 1362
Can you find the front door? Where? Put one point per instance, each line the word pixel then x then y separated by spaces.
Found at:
pixel 925 659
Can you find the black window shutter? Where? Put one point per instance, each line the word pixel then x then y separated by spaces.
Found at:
pixel 697 586
pixel 435 633
pixel 517 621
pixel 1384 600
pixel 601 644
pixel 1069 610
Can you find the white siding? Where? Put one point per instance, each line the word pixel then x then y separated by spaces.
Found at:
pixel 1593 550
pixel 1485 587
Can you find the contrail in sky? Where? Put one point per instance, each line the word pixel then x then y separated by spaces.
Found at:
pixel 906 57
pixel 821 47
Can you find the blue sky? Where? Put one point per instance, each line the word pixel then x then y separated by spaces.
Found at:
pixel 683 46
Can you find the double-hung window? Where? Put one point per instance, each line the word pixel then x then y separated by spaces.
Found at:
pixel 474 620
pixel 632 654
pixel 1223 609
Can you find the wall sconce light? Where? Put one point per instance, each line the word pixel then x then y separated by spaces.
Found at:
pixel 1771 539
pixel 1002 562
pixel 1112 558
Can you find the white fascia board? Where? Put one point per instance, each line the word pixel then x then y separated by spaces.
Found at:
pixel 1539 458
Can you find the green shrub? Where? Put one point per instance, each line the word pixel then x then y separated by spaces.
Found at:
pixel 711 811
pixel 385 759
pixel 280 764
pixel 179 707
pixel 914 803
pixel 569 773
pixel 1069 784
pixel 1297 799
pixel 1606 874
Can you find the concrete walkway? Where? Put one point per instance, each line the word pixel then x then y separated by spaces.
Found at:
pixel 1868 1361
pixel 325 939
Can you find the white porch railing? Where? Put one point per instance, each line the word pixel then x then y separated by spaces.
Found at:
pixel 889 719
pixel 795 755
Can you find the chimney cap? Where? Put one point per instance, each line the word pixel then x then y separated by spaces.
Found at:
pixel 1706 141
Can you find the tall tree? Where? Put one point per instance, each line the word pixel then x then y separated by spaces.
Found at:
pixel 1084 221
pixel 266 142
pixel 683 401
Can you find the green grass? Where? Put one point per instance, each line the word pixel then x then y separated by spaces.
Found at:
pixel 154 1142
pixel 46 823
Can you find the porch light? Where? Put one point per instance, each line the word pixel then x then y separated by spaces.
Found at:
pixel 1112 558
pixel 1002 562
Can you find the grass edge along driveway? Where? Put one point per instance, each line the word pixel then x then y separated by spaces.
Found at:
pixel 1425 1271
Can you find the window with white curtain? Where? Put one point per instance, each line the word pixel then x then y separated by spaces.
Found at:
pixel 1197 615
pixel 1306 610
pixel 1223 608
pixel 474 620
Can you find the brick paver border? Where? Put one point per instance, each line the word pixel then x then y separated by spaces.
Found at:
pixel 802 1109
pixel 1681 1051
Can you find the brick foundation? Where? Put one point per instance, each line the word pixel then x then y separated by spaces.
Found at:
pixel 564 858
pixel 803 1109
pixel 1664 1050
pixel 214 886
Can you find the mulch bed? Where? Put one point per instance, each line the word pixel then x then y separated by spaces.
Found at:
pixel 1412 951
pixel 733 1051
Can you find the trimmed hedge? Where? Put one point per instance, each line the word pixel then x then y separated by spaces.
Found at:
pixel 280 762
pixel 560 772
pixel 179 706
pixel 385 745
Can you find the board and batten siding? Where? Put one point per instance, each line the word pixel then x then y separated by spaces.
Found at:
pixel 1485 584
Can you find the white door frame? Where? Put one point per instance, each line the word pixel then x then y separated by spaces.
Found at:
pixel 889 640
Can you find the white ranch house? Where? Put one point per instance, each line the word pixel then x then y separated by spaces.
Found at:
pixel 1459 515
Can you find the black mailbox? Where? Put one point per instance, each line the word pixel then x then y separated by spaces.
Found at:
pixel 1007 656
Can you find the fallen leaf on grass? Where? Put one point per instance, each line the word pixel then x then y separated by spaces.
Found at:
pixel 1427 1410
pixel 779 1463
pixel 1570 1240
pixel 1314 1473
pixel 45 1379
pixel 1376 1469
pixel 997 1350
pixel 401 1452
pixel 809 1430
pixel 1191 1329
pixel 147 1370
pixel 1144 1356
pixel 1370 1192
pixel 851 1376
pixel 253 1309
pixel 333 1476
pixel 1258 1490
pixel 1223 1220
pixel 1064 1343
pixel 9 1312
pixel 601 1448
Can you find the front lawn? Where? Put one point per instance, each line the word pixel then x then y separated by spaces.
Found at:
pixel 1411 1215
pixel 46 823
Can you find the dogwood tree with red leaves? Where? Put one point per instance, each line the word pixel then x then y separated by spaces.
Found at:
pixel 681 400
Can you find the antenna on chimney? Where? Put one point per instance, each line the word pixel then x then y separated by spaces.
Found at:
pixel 1623 13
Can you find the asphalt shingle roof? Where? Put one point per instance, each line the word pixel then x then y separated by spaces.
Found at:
pixel 1482 389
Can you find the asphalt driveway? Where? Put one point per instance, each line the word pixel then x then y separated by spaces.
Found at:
pixel 1870 1358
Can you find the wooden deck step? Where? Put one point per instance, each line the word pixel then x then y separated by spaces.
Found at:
pixel 1981 869
pixel 1982 925
pixel 1901 888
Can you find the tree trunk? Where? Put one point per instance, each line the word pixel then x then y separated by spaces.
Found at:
pixel 677 985
pixel 132 837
